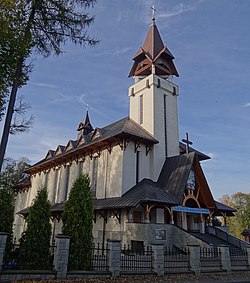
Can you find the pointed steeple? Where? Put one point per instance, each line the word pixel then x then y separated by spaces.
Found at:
pixel 153 56
pixel 85 126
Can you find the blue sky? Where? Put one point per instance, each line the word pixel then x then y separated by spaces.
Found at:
pixel 210 40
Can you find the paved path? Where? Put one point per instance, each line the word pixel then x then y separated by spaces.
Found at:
pixel 235 277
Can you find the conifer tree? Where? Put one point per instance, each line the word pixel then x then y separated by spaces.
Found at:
pixel 13 171
pixel 41 26
pixel 7 217
pixel 34 250
pixel 77 223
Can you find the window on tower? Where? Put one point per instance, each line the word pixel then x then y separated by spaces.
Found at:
pixel 141 109
pixel 137 166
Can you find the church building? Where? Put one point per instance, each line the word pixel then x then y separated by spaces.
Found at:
pixel 147 186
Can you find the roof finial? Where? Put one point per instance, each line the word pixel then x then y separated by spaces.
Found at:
pixel 153 13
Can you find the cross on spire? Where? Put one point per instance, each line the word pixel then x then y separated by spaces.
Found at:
pixel 187 142
pixel 153 12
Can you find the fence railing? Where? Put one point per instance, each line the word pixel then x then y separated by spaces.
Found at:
pixel 210 259
pixel 113 259
pixel 176 259
pixel 96 259
pixel 231 239
pixel 136 259
pixel 99 257
pixel 14 262
pixel 239 259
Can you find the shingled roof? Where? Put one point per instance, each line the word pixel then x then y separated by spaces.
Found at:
pixel 221 207
pixel 124 128
pixel 153 52
pixel 174 175
pixel 146 191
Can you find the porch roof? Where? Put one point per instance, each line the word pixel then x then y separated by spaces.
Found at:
pixel 220 207
pixel 146 191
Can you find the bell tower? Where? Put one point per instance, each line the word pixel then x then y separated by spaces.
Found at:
pixel 153 96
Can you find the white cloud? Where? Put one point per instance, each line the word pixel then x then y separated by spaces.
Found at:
pixel 177 10
pixel 46 85
pixel 113 52
pixel 247 104
pixel 122 50
pixel 211 155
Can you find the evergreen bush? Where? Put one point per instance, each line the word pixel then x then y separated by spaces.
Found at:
pixel 77 223
pixel 34 252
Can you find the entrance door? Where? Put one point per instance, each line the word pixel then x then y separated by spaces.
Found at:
pixel 189 222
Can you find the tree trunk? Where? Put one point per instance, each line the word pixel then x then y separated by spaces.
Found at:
pixel 10 112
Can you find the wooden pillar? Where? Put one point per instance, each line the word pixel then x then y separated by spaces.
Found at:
pixel 146 213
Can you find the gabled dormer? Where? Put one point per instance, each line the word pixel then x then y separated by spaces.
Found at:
pixel 59 150
pixel 50 154
pixel 70 145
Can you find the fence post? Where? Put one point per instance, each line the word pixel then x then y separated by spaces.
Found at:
pixel 3 239
pixel 114 257
pixel 158 259
pixel 225 257
pixel 248 256
pixel 195 258
pixel 61 256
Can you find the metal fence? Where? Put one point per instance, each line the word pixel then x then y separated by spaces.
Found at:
pixel 99 257
pixel 210 259
pixel 239 259
pixel 176 260
pixel 95 259
pixel 15 262
pixel 136 259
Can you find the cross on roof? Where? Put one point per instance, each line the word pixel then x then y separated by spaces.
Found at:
pixel 153 12
pixel 187 142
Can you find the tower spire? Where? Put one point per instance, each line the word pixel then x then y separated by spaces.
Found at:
pixel 85 126
pixel 153 56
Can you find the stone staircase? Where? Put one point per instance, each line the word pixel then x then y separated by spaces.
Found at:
pixel 213 240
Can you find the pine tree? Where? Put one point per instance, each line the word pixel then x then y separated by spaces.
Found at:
pixel 7 217
pixel 34 250
pixel 77 223
pixel 13 171
pixel 41 26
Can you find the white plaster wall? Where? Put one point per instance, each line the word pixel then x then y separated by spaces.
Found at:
pixel 37 182
pixel 73 174
pixel 159 215
pixel 21 203
pixel 113 229
pixel 86 168
pixel 114 174
pixel 153 117
pixel 144 163
pixel 146 233
pixel 51 185
pixel 101 175
pixel 61 184
pixel 129 168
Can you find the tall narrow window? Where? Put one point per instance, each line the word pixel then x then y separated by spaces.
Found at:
pixel 137 166
pixel 67 172
pixel 94 175
pixel 165 124
pixel 141 109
